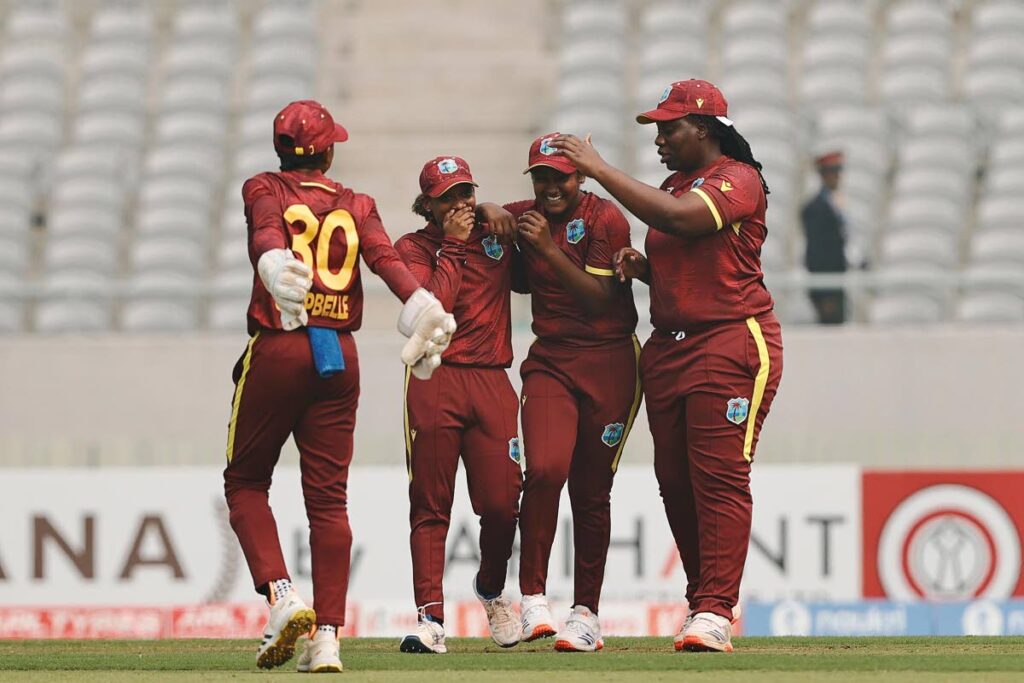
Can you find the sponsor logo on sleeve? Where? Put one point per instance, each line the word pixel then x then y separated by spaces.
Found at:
pixel 492 247
pixel 696 183
pixel 612 434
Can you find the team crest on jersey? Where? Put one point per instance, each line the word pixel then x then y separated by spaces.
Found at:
pixel 696 183
pixel 515 451
pixel 736 410
pixel 612 434
pixel 575 231
pixel 665 94
pixel 447 166
pixel 545 147
pixel 492 247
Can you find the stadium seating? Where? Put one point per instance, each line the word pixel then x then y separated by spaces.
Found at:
pixel 127 128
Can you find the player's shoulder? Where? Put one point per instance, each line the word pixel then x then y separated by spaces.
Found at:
pixel 261 183
pixel 416 239
pixel 673 182
pixel 737 172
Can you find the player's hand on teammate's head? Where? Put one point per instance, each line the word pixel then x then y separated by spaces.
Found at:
pixel 535 230
pixel 630 263
pixel 497 222
pixel 581 153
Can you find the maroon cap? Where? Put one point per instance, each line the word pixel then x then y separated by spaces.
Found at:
pixel 441 173
pixel 543 154
pixel 830 159
pixel 688 97
pixel 309 125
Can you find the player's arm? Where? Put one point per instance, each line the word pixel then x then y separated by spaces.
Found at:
pixel 685 216
pixel 286 278
pixel 591 288
pixel 442 280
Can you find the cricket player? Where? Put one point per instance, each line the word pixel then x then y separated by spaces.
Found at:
pixel 468 407
pixel 713 364
pixel 299 375
pixel 581 387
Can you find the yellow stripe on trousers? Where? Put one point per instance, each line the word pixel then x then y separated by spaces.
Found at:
pixel 760 381
pixel 238 396
pixel 638 393
pixel 405 415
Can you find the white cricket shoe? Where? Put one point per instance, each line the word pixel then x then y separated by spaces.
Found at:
pixel 536 618
pixel 290 618
pixel 427 638
pixel 705 632
pixel 737 611
pixel 321 655
pixel 581 633
pixel 501 620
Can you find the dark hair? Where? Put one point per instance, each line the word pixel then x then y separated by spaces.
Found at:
pixel 294 162
pixel 420 208
pixel 733 145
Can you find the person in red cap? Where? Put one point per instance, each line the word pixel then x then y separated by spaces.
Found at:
pixel 712 366
pixel 468 407
pixel 306 236
pixel 825 232
pixel 581 370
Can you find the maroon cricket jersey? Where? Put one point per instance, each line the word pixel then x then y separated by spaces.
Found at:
pixel 472 280
pixel 328 227
pixel 589 237
pixel 696 281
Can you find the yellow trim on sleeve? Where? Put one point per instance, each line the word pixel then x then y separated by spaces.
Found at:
pixel 405 414
pixel 599 271
pixel 320 185
pixel 246 360
pixel 711 205
pixel 637 396
pixel 760 381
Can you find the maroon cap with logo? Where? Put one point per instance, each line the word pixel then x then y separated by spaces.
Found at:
pixel 305 128
pixel 543 154
pixel 441 173
pixel 688 97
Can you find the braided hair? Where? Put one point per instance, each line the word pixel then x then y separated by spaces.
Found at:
pixel 420 207
pixel 732 144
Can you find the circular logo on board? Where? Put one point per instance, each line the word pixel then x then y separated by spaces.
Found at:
pixel 949 542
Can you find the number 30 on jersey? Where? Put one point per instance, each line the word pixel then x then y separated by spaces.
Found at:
pixel 321 234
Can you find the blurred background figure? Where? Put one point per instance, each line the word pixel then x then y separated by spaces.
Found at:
pixel 825 230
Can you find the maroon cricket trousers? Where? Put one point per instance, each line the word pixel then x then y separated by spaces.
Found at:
pixel 277 394
pixel 470 412
pixel 578 407
pixel 708 392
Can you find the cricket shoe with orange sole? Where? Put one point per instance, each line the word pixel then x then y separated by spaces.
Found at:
pixel 581 633
pixel 536 617
pixel 680 643
pixel 322 654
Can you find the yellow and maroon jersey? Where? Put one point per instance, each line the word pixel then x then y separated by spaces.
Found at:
pixel 472 280
pixel 696 281
pixel 589 237
pixel 328 227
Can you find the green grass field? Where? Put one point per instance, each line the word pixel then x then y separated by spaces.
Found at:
pixel 765 660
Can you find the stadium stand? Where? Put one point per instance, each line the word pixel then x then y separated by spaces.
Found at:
pixel 126 129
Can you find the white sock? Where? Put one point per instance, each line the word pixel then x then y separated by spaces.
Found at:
pixel 281 587
pixel 329 629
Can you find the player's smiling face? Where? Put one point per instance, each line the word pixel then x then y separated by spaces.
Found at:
pixel 556 192
pixel 455 197
pixel 679 144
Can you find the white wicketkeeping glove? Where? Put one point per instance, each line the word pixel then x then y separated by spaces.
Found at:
pixel 424 367
pixel 288 280
pixel 428 326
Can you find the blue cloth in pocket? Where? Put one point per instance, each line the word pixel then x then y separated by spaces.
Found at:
pixel 326 347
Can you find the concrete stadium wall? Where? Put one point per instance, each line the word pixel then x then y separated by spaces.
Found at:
pixel 936 398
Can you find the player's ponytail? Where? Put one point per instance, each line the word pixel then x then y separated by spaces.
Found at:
pixel 420 208
pixel 733 145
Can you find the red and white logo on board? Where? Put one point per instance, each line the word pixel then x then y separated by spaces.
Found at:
pixel 942 536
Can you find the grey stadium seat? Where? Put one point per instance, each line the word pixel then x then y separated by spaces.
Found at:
pixel 828 51
pixel 990 89
pixel 904 309
pixel 161 302
pixel 918 50
pixel 919 246
pixel 913 85
pixel 195 93
pixel 30 93
pixel 678 19
pixel 838 18
pixel 1007 153
pixel 944 119
pixel 1000 213
pixel 113 93
pixel 102 59
pixel 584 19
pixel 98 192
pixel 233 251
pixel 998 246
pixel 122 24
pixel 296 61
pixel 168 253
pixel 82 253
pixel 192 58
pixel 193 161
pixel 215 21
pixel 919 16
pixel 14 255
pixel 123 129
pixel 997 16
pixel 199 128
pixel 38 22
pixel 995 51
pixel 175 191
pixel 768 52
pixel 598 90
pixel 43 59
pixel 828 87
pixel 990 307
pixel 183 222
pixel 934 182
pixel 273 93
pixel 926 213
pixel 760 86
pixel 951 152
pixel 290 22
pixel 60 316
pixel 87 222
pixel 749 18
pixel 1005 180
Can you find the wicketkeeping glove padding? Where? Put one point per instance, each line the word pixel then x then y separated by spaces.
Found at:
pixel 288 280
pixel 428 326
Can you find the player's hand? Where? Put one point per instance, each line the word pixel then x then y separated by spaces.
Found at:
pixel 497 221
pixel 535 230
pixel 458 222
pixel 424 367
pixel 581 153
pixel 288 281
pixel 630 263
pixel 428 326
